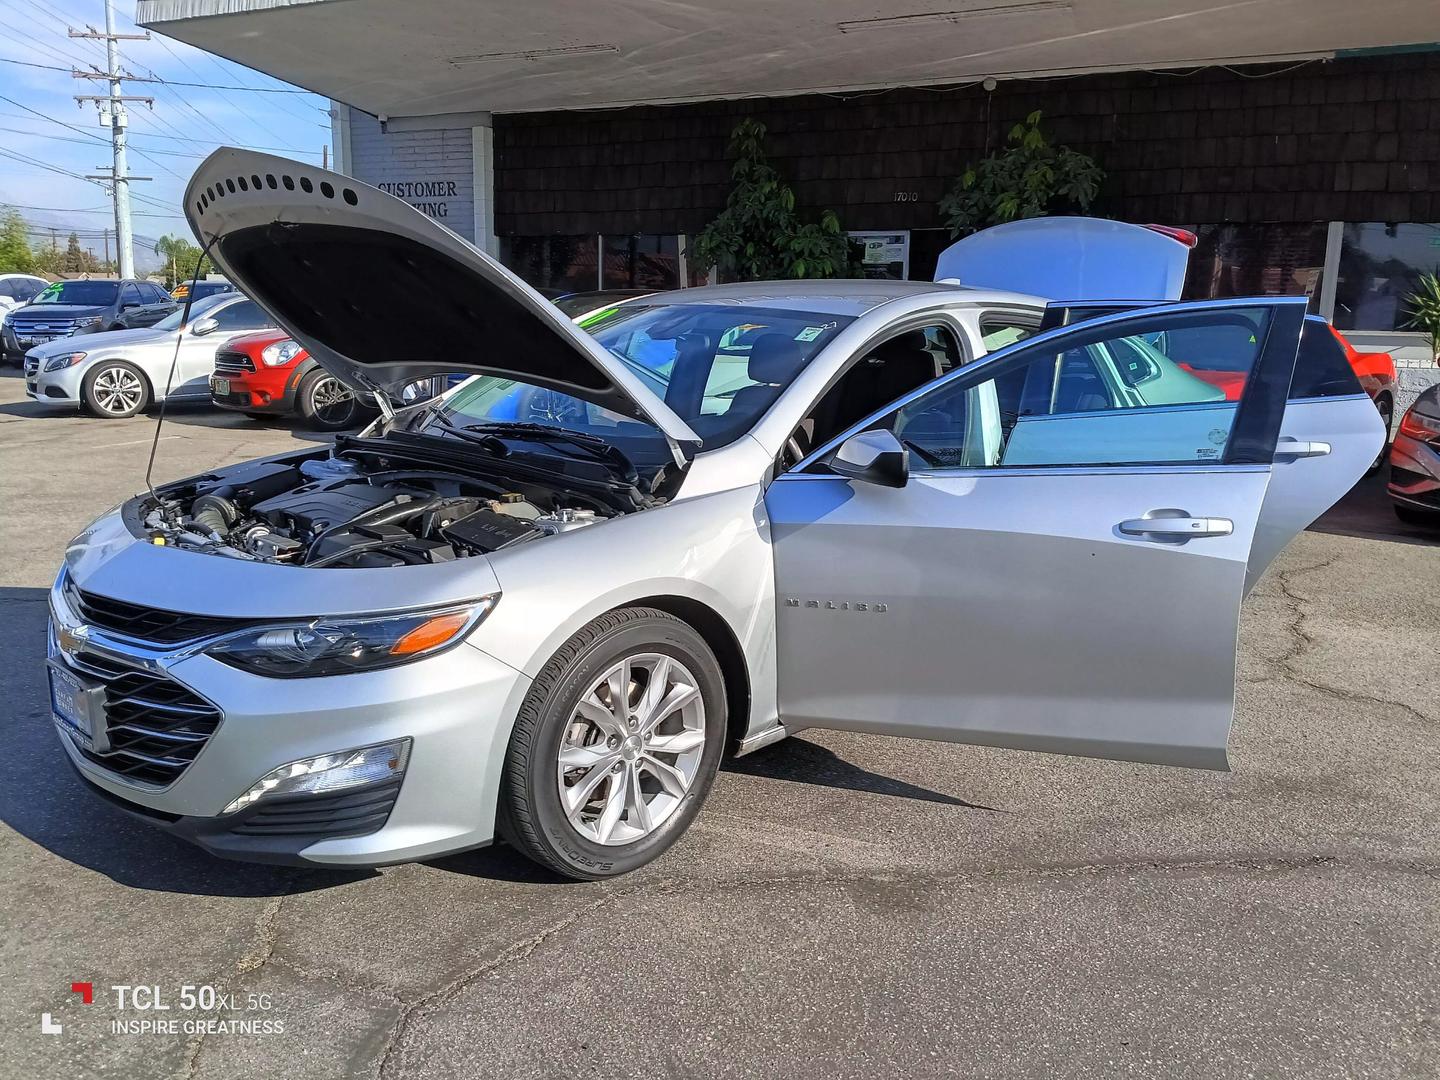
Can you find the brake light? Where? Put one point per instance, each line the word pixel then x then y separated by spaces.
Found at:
pixel 1184 236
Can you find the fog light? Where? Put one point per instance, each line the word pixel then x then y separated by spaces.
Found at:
pixel 329 773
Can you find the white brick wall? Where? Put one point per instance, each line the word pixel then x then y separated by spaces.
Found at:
pixel 431 170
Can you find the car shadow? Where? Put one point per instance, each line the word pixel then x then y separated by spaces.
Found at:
pixel 1366 512
pixel 803 762
pixel 43 800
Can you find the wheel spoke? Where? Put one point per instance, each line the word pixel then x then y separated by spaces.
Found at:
pixel 679 743
pixel 635 799
pixel 614 806
pixel 594 711
pixel 678 697
pixel 578 796
pixel 671 779
pixel 654 691
pixel 619 683
pixel 582 757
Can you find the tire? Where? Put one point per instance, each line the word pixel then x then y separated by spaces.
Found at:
pixel 593 842
pixel 1423 518
pixel 114 389
pixel 325 403
pixel 1386 408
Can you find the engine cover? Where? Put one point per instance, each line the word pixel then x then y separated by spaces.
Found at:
pixel 311 508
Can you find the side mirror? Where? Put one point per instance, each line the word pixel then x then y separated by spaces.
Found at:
pixel 201 327
pixel 875 457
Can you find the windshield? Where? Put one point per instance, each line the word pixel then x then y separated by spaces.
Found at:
pixel 718 366
pixel 198 308
pixel 80 292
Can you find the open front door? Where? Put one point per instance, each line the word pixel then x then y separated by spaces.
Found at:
pixel 1064 567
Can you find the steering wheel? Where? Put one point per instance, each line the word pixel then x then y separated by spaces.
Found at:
pixel 539 404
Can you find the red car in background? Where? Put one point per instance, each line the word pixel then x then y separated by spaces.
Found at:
pixel 1375 370
pixel 268 374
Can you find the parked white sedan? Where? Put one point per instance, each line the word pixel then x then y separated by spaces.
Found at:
pixel 119 373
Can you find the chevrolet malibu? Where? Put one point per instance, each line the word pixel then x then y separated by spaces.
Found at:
pixel 543 606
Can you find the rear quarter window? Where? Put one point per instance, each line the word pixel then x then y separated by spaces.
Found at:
pixel 1321 369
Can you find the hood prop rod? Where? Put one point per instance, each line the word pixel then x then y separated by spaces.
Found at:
pixel 170 378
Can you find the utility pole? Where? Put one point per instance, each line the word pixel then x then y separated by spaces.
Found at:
pixel 114 116
pixel 325 155
pixel 107 249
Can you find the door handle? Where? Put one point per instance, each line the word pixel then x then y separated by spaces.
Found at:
pixel 1294 448
pixel 1175 526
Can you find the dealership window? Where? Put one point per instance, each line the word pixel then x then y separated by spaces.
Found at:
pixel 553 264
pixel 640 261
pixel 1265 259
pixel 1380 266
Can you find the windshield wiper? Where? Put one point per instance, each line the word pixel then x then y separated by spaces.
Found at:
pixel 435 412
pixel 597 447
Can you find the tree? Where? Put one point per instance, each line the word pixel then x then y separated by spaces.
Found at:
pixel 1029 178
pixel 180 256
pixel 759 235
pixel 15 254
pixel 74 256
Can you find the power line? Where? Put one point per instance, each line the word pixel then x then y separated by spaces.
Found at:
pixel 162 81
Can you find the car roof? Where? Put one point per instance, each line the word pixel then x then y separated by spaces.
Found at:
pixel 842 296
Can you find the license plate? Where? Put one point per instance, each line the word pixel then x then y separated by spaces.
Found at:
pixel 36 339
pixel 71 702
pixel 220 386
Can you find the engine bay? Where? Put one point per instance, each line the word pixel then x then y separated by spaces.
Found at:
pixel 335 512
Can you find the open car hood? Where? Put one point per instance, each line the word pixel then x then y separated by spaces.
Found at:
pixel 380 295
pixel 1068 259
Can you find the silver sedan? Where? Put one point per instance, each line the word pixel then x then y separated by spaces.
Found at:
pixel 120 372
pixel 543 606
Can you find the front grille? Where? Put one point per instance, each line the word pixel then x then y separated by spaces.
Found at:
pixel 25 327
pixel 144 623
pixel 351 814
pixel 238 399
pixel 156 727
pixel 228 362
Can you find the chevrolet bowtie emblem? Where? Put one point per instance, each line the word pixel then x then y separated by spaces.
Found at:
pixel 73 637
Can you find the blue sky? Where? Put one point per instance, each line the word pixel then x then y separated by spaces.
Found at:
pixel 168 143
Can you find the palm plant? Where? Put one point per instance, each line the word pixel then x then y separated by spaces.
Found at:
pixel 1424 308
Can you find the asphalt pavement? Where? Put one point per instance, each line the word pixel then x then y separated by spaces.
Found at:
pixel 846 906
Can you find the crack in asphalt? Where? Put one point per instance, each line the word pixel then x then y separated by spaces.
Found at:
pixel 1305 640
pixel 512 953
pixel 257 954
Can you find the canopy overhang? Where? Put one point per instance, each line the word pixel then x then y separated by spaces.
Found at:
pixel 420 58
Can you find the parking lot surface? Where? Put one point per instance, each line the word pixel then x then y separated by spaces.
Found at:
pixel 845 905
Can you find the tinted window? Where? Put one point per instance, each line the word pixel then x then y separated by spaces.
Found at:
pixel 97 293
pixel 130 294
pixel 1321 367
pixel 245 315
pixel 154 294
pixel 1107 395
pixel 27 288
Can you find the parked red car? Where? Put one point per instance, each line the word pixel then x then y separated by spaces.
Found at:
pixel 268 374
pixel 1375 370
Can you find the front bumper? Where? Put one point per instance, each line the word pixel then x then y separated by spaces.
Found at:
pixel 456 707
pixel 1415 474
pixel 271 390
pixel 53 387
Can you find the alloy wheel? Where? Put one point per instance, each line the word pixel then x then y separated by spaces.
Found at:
pixel 631 749
pixel 117 390
pixel 333 402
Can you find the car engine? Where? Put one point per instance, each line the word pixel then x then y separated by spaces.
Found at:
pixel 323 512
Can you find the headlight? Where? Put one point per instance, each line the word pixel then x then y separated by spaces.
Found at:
pixel 338 646
pixel 328 773
pixel 86 324
pixel 282 352
pixel 64 360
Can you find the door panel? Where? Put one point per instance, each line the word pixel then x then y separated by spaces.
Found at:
pixel 1076 592
pixel 1009 610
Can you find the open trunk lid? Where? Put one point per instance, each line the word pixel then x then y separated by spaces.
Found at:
pixel 381 295
pixel 1069 259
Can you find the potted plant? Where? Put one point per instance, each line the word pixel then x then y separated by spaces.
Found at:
pixel 1424 308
